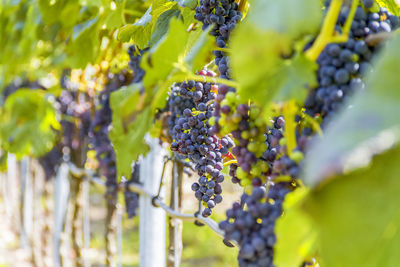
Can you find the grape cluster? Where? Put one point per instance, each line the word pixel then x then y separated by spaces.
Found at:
pixel 135 56
pixel 99 135
pixel 368 3
pixel 277 155
pixel 223 15
pixel 244 123
pixel 132 198
pixel 343 65
pixel 51 160
pixel 251 224
pixel 191 106
pixel 75 108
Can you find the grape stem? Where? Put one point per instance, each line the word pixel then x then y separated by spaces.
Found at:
pixel 234 161
pixel 242 5
pixel 327 32
pixel 289 112
pixel 349 20
pixel 315 125
pixel 199 78
pixel 226 50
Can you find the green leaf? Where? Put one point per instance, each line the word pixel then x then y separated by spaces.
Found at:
pixel 115 15
pixel 84 45
pixel 161 26
pixel 141 31
pixel 128 127
pixel 372 113
pixel 254 57
pixel 81 28
pixel 392 5
pixel 290 18
pixel 260 41
pixel 159 62
pixel 263 75
pixel 28 123
pixel 3 161
pixel 357 215
pixel 294 79
pixel 200 46
pixel 294 231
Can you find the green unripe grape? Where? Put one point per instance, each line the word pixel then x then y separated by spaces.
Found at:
pixel 241 174
pixel 254 132
pixel 259 122
pixel 237 143
pixel 236 118
pixel 282 142
pixel 225 130
pixel 297 156
pixel 263 165
pixel 254 113
pixel 230 97
pixel 256 170
pixel 228 119
pixel 211 121
pixel 261 138
pixel 247 189
pixel 245 135
pixel 222 120
pixel 245 182
pixel 252 147
pixel 224 102
pixel 263 147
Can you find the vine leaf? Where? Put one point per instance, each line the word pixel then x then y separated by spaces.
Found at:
pixel 153 20
pixel 260 43
pixel 159 63
pixel 161 25
pixel 357 215
pixel 199 45
pixel 392 5
pixel 115 17
pixel 29 124
pixel 289 18
pixel 358 129
pixel 294 231
pixel 128 138
pixel 263 75
pixel 84 44
pixel 81 28
pixel 131 31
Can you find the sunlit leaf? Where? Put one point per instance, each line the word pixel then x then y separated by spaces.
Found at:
pixel 357 215
pixel 29 123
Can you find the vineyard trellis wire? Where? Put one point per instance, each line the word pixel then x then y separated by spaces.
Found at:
pixel 69 169
pixel 157 201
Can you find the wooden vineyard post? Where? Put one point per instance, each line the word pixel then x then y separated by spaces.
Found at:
pixel 175 225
